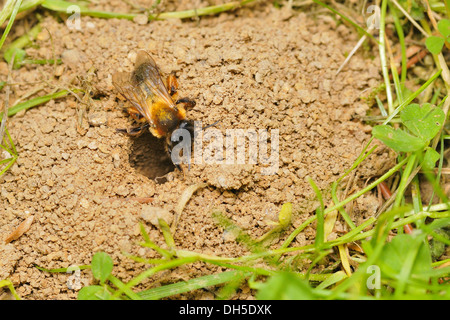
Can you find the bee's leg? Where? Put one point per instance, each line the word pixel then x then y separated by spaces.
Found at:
pixel 135 114
pixel 172 84
pixel 188 103
pixel 169 146
pixel 135 132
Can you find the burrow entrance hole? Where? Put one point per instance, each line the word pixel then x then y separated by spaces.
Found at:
pixel 148 156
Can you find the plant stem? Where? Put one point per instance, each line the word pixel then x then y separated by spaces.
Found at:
pixel 343 202
pixel 415 195
pixel 61 6
pixel 201 11
pixel 382 49
pixel 368 188
pixel 412 97
pixel 149 272
pixel 401 39
pixel 346 19
pixel 405 177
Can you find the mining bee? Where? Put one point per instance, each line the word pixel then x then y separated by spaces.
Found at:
pixel 154 104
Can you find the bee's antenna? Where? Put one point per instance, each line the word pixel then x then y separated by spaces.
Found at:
pixel 211 125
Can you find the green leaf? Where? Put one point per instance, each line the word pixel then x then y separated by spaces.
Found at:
pixel 285 215
pixel 415 8
pixel 285 286
pixel 444 27
pixel 93 293
pixel 437 247
pixel 424 121
pixel 101 266
pixel 407 256
pixel 430 158
pixel 19 57
pixel 398 140
pixel 434 44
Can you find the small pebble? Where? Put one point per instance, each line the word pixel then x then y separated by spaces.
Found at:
pixel 97 119
pixel 141 19
pixel 152 214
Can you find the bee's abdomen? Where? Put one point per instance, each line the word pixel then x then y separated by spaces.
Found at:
pixel 165 119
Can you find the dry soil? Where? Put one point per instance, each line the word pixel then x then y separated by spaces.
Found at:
pixel 89 186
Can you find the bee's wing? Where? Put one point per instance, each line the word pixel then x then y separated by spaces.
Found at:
pixel 144 57
pixel 148 77
pixel 122 81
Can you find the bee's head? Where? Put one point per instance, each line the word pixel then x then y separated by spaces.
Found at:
pixel 185 130
pixel 176 137
pixel 187 125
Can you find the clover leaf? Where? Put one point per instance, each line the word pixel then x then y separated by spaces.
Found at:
pixel 423 123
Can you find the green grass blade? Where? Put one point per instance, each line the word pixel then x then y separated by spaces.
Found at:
pixel 334 278
pixel 404 179
pixel 408 265
pixel 397 84
pixel 8 166
pixel 42 61
pixel 351 235
pixel 6 149
pixel 381 107
pixel 346 19
pixel 6 160
pixel 369 187
pixel 412 97
pixel 9 284
pixel 21 42
pixel 149 272
pixel 401 39
pixel 362 156
pixel 382 230
pixel 193 284
pixel 150 244
pixel 35 102
pixel 240 235
pixel 382 50
pixel 10 22
pixel 202 11
pixel 61 6
pixel 320 231
pixel 59 270
pixel 6 11
pixel 165 229
pixel 341 210
pixel 119 284
pixel 11 143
